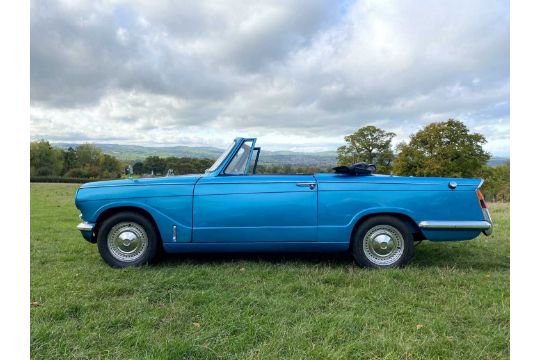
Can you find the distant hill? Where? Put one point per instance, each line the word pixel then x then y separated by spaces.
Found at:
pixel 497 160
pixel 136 152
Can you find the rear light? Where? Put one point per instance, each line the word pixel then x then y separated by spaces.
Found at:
pixel 481 199
pixel 485 211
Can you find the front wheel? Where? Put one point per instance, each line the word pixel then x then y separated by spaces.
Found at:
pixel 127 239
pixel 381 242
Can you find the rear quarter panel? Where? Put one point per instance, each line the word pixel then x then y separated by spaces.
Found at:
pixel 344 200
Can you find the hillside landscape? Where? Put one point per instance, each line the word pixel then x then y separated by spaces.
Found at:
pixel 135 152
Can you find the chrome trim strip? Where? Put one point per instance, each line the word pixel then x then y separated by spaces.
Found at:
pixel 120 185
pixel 249 182
pixel 386 183
pixel 374 182
pixel 84 226
pixel 465 225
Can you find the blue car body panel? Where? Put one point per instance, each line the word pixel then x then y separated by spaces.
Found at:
pixel 319 212
pixel 257 208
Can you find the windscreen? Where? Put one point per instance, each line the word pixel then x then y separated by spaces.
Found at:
pixel 220 159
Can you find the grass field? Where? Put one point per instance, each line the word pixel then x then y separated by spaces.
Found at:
pixel 452 301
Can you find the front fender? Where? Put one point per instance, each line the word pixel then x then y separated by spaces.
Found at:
pixel 164 211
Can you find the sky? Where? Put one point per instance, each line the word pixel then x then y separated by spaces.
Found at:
pixel 298 75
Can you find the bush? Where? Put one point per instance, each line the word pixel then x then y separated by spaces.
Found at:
pixel 58 179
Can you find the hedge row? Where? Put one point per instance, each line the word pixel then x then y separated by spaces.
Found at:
pixel 59 179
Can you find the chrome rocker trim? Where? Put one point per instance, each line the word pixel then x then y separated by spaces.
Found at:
pixel 485 226
pixel 84 226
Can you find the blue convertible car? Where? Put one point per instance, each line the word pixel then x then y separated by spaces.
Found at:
pixel 230 208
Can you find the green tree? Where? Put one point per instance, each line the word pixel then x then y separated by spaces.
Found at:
pixel 497 182
pixel 155 164
pixel 44 159
pixel 138 168
pixel 109 166
pixel 442 149
pixel 88 155
pixel 70 159
pixel 369 144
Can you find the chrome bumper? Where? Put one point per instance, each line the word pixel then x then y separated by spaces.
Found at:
pixel 485 226
pixel 84 226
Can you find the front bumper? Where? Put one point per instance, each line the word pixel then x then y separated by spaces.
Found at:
pixel 485 226
pixel 87 231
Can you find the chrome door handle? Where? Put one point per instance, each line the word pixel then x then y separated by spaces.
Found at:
pixel 307 184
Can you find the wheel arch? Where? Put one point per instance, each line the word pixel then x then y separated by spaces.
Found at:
pixel 406 219
pixel 126 208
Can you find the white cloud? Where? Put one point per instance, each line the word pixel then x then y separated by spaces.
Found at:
pixel 300 74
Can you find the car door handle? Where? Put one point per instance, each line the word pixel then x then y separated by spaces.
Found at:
pixel 307 184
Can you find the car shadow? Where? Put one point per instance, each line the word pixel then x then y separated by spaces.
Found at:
pixel 431 256
pixel 337 259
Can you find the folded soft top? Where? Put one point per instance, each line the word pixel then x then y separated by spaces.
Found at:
pixel 357 169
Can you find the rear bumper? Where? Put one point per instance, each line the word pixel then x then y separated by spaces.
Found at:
pixel 87 231
pixel 484 226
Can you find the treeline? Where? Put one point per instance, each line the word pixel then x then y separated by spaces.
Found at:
pixel 86 161
pixel 289 169
pixel 442 149
pixel 496 182
pixel 155 165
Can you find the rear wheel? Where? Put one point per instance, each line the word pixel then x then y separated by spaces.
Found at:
pixel 381 242
pixel 127 239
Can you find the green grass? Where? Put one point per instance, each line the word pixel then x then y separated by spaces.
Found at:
pixel 452 301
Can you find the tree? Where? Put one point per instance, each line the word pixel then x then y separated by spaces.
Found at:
pixel 369 144
pixel 138 168
pixel 155 164
pixel 70 159
pixel 497 182
pixel 442 149
pixel 87 155
pixel 44 159
pixel 109 166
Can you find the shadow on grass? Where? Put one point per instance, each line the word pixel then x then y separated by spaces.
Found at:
pixel 337 259
pixel 442 255
pixel 445 255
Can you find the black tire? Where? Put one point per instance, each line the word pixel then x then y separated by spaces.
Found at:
pixel 369 244
pixel 137 229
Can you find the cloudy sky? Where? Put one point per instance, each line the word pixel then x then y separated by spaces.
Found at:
pixel 299 75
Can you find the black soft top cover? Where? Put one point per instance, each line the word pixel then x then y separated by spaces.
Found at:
pixel 358 169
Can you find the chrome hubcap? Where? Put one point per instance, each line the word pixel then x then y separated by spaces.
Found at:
pixel 127 241
pixel 383 245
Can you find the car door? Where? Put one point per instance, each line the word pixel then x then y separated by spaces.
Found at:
pixel 255 208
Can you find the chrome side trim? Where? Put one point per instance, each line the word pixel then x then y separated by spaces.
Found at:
pixel 84 226
pixel 248 182
pixel 120 185
pixel 462 225
pixel 377 182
